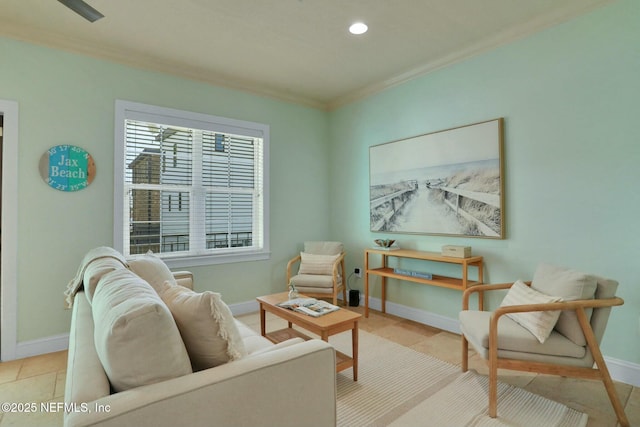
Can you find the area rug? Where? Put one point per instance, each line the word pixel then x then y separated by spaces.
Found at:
pixel 400 387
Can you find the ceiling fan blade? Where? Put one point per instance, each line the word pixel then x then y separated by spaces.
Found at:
pixel 82 9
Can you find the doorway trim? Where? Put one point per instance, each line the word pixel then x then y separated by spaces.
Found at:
pixel 9 251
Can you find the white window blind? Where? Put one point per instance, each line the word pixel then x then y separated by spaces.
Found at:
pixel 191 194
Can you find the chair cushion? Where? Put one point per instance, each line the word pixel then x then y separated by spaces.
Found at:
pixel 317 264
pixel 206 324
pixel 570 285
pixel 152 269
pixel 539 323
pixel 136 338
pixel 302 281
pixel 514 337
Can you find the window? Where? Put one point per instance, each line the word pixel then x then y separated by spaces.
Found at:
pixel 190 187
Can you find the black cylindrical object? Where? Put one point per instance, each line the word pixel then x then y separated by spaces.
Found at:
pixel 354 298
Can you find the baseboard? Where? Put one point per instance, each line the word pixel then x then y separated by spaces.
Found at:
pixel 42 346
pixel 620 370
pixel 246 307
pixel 623 371
pixel 417 315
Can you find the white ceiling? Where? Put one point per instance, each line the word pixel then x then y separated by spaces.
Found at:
pixel 297 50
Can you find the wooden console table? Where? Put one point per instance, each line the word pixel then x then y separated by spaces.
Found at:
pixel 445 282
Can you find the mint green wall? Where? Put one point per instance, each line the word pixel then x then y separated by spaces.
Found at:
pixel 68 98
pixel 569 96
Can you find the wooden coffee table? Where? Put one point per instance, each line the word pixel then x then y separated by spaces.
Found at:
pixel 325 326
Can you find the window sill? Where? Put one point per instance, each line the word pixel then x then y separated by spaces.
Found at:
pixel 224 258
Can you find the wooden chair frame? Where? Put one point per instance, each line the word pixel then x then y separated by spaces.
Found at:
pixel 338 269
pixel 599 372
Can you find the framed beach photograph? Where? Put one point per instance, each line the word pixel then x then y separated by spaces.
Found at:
pixel 449 182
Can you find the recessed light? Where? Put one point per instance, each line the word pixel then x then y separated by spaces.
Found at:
pixel 358 28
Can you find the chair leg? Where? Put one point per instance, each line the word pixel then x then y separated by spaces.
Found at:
pixel 465 354
pixel 493 387
pixel 493 368
pixel 609 386
pixel 602 368
pixel 613 397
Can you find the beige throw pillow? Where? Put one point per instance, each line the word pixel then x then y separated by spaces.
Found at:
pixel 206 324
pixel 317 264
pixel 570 285
pixel 539 323
pixel 152 269
pixel 135 335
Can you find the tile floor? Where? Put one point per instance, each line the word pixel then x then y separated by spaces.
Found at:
pixel 41 378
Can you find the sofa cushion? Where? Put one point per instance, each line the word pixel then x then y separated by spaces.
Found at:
pixel 94 272
pixel 317 264
pixel 136 338
pixel 253 341
pixel 91 280
pixel 570 285
pixel 278 346
pixel 206 324
pixel 152 269
pixel 539 323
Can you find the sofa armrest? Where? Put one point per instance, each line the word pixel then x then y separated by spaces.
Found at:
pixel 184 278
pixel 86 379
pixel 256 390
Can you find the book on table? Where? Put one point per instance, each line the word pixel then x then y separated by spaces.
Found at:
pixel 310 306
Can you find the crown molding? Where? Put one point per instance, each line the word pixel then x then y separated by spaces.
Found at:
pixel 149 63
pixel 146 62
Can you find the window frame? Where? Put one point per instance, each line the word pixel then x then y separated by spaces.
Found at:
pixel 125 110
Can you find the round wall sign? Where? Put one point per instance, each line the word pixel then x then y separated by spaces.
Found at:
pixel 67 168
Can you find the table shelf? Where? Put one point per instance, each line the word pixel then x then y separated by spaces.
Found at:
pixel 385 272
pixel 343 361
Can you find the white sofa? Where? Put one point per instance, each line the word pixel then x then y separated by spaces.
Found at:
pixel 287 384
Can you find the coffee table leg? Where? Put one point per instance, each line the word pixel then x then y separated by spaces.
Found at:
pixel 354 350
pixel 263 328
